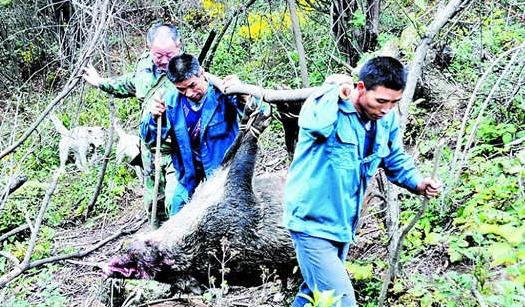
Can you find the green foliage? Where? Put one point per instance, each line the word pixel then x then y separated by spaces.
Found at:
pixel 492 227
pixel 479 224
pixel 359 271
pixel 498 33
pixel 256 61
pixel 28 42
pixel 490 132
pixel 5 3
pixel 358 19
pixel 48 294
pixel 450 289
pixel 322 299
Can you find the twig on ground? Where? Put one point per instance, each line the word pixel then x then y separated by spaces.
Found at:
pixel 126 229
pixel 13 232
pixel 478 295
pixel 34 235
pixel 10 257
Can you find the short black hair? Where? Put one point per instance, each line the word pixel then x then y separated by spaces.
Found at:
pixel 174 31
pixel 383 71
pixel 182 67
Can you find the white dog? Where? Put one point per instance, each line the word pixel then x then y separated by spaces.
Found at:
pixel 128 146
pixel 78 140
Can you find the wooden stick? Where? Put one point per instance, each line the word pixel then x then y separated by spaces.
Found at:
pixel 267 95
pixel 153 220
pixel 399 236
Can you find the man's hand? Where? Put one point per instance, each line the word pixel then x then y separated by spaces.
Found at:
pixel 345 82
pixel 91 75
pixel 158 107
pixel 232 80
pixel 428 187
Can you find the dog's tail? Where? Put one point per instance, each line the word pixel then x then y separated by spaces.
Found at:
pixel 58 125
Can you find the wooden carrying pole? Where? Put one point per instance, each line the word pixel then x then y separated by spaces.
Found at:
pixel 267 95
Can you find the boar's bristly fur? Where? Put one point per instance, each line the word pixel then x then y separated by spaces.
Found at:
pixel 229 207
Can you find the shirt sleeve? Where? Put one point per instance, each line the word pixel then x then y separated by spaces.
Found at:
pixel 120 87
pixel 399 167
pixel 319 113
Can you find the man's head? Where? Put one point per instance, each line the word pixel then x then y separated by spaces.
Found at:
pixel 188 76
pixel 381 84
pixel 164 42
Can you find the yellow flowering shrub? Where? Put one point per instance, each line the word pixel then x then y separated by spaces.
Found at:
pixel 204 13
pixel 214 9
pixel 263 26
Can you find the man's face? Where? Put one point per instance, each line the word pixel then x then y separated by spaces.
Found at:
pixel 162 49
pixel 194 88
pixel 376 103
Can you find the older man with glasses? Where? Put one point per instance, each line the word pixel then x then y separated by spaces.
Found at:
pixel 146 82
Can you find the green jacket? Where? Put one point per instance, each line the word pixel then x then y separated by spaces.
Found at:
pixel 142 83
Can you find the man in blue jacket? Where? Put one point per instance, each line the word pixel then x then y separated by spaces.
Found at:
pixel 199 123
pixel 346 133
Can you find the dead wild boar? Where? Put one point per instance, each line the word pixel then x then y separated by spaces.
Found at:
pixel 229 206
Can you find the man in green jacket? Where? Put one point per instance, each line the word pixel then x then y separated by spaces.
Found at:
pixel 146 82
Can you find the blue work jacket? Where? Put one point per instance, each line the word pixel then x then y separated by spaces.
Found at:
pixel 219 126
pixel 329 172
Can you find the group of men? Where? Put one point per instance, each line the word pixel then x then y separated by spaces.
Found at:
pixel 346 132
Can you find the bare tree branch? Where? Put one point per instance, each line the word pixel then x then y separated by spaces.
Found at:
pixel 298 41
pixel 242 8
pixel 13 232
pixel 267 95
pixel 10 257
pixel 109 144
pixel 459 139
pixel 397 240
pixel 7 278
pixel 416 66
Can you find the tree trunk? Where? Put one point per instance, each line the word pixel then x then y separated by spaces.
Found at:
pixel 443 15
pixel 371 31
pixel 342 12
pixel 298 42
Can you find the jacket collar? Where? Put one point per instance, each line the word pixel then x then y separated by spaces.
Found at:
pixel 346 106
pixel 210 104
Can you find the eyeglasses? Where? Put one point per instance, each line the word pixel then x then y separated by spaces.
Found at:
pixel 160 56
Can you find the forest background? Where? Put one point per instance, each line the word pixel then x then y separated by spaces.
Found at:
pixel 466 249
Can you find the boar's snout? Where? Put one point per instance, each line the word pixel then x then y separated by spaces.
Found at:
pixel 142 260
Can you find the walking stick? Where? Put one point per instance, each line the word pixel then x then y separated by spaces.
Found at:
pixel 153 219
